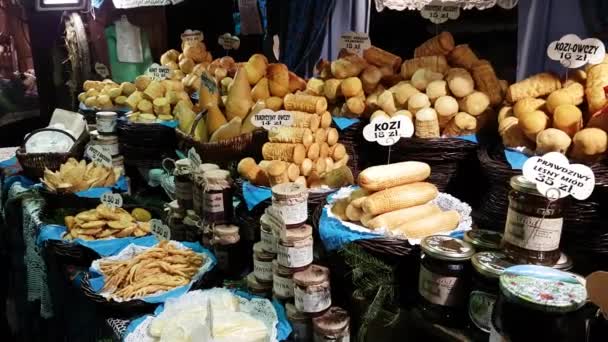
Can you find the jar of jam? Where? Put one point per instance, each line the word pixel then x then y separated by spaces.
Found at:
pixel 262 264
pixel 257 288
pixel 295 247
pixel 483 240
pixel 227 250
pixel 444 279
pixel 332 326
pixel 191 230
pixel 487 268
pixel 291 201
pixel 183 183
pixel 198 185
pixel 538 303
pixel 268 235
pixel 301 324
pixel 312 292
pixel 217 197
pixel 282 281
pixel 534 225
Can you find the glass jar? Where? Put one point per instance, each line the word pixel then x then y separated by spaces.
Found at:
pixel 108 143
pixel 332 326
pixel 487 268
pixel 262 264
pixel 534 225
pixel 268 235
pixel 295 247
pixel 227 250
pixel 183 183
pixel 191 230
pixel 198 185
pixel 444 279
pixel 217 198
pixel 301 324
pixel 312 292
pixel 538 303
pixel 282 281
pixel 483 240
pixel 257 288
pixel 291 201
pixel 105 122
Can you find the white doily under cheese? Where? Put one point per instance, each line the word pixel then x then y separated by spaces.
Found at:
pixel 258 308
pixel 443 201
pixel 416 5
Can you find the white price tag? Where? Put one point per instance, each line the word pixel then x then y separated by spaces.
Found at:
pixel 270 119
pixel 195 159
pixel 438 12
pixel 573 52
pixel 556 178
pixel 100 155
pixel 192 36
pixel 102 70
pixel 111 200
pixel 507 4
pixel 356 42
pixel 388 132
pixel 158 72
pixel 229 42
pixel 160 229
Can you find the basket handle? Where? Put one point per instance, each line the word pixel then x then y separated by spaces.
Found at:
pixel 46 129
pixel 197 119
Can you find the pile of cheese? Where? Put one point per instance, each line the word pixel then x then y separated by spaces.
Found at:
pixel 106 94
pixel 396 198
pixel 546 115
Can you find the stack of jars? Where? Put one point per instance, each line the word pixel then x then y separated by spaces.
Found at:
pixel 105 137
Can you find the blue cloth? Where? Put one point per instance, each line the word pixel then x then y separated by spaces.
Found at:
pixel 335 234
pixel 515 158
pixel 8 163
pixel 104 248
pixel 255 195
pixel 120 186
pixel 472 138
pixel 170 123
pixel 97 280
pixel 344 123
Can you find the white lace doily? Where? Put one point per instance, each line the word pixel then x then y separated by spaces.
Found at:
pixel 443 201
pixel 131 251
pixel 258 308
pixel 416 5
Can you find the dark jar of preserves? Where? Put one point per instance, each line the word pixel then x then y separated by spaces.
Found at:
pixel 444 279
pixel 487 268
pixel 217 197
pixel 534 225
pixel 483 240
pixel 538 303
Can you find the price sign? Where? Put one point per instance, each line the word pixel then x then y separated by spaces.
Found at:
pixel 158 72
pixel 438 13
pixel 507 4
pixel 229 42
pixel 100 155
pixel 573 52
pixel 192 36
pixel 556 178
pixel 270 119
pixel 388 132
pixel 356 42
pixel 111 200
pixel 160 229
pixel 195 159
pixel 102 70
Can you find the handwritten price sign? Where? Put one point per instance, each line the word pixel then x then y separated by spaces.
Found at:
pixel 111 200
pixel 229 42
pixel 556 178
pixel 192 36
pixel 388 132
pixel 439 13
pixel 160 229
pixel 270 119
pixel 100 155
pixel 356 42
pixel 573 52
pixel 158 72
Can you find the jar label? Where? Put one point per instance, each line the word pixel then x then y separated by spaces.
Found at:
pixel 213 202
pixel 533 233
pixel 441 290
pixel 320 338
pixel 111 149
pixel 301 331
pixel 269 241
pixel 223 260
pixel 262 270
pixel 106 124
pixel 281 286
pixel 293 211
pixel 294 257
pixel 481 305
pixel 183 190
pixel 312 302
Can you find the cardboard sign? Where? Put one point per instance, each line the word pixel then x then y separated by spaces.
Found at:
pixel 158 72
pixel 507 4
pixel 438 13
pixel 573 52
pixel 229 42
pixel 388 132
pixel 270 119
pixel 111 200
pixel 102 70
pixel 356 42
pixel 192 36
pixel 100 155
pixel 556 178
pixel 160 229
pixel 195 159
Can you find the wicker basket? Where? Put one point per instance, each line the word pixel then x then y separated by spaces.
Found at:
pixel 351 138
pixel 33 164
pixel 145 145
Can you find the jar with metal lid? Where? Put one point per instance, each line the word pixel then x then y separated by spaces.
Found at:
pixel 291 201
pixel 217 203
pixel 108 143
pixel 262 264
pixel 538 303
pixel 191 226
pixel 534 225
pixel 183 183
pixel 282 281
pixel 175 221
pixel 312 291
pixel 483 240
pixel 257 288
pixel 295 247
pixel 301 324
pixel 332 326
pixel 227 250
pixel 268 234
pixel 487 268
pixel 105 122
pixel 444 279
pixel 198 185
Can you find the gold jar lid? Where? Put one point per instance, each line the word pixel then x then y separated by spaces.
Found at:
pixel 313 275
pixel 520 183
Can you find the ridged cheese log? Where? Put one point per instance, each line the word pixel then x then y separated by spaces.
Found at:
pixel 305 103
pixel 285 152
pixel 395 218
pixel 382 177
pixel 429 225
pixel 399 197
pixel 288 134
pixel 305 120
